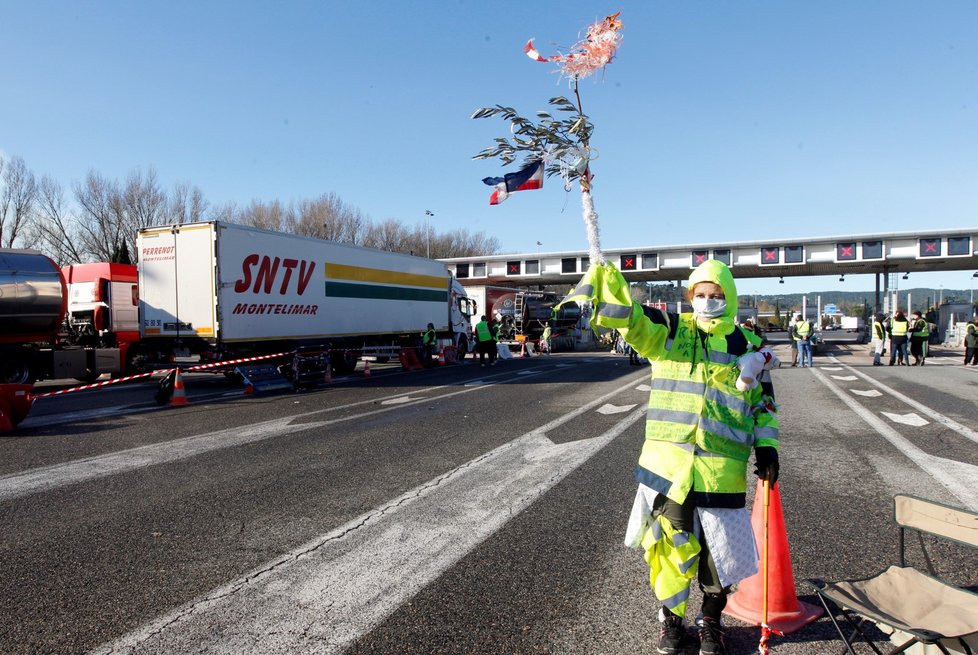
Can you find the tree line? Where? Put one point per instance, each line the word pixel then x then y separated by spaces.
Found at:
pixel 97 218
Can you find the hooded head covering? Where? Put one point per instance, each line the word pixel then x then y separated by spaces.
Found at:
pixel 717 272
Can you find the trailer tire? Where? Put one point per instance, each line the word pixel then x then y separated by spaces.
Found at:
pixel 343 362
pixel 16 369
pixel 135 363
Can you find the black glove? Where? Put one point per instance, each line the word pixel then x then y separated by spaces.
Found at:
pixel 766 460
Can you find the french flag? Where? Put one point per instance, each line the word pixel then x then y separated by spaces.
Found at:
pixel 527 178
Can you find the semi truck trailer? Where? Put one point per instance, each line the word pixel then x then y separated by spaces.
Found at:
pixel 220 290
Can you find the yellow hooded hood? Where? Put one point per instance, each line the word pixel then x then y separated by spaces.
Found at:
pixel 719 273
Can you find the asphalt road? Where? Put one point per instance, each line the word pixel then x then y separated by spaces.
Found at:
pixel 454 510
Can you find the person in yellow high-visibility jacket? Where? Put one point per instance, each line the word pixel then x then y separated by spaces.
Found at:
pixel 704 420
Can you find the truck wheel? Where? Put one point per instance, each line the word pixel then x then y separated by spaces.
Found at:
pixel 135 363
pixel 463 346
pixel 343 363
pixel 16 370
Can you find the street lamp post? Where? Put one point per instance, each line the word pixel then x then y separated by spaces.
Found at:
pixel 427 233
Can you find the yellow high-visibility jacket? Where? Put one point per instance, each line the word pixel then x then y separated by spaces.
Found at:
pixel 700 428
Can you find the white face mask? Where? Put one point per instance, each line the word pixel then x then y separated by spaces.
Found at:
pixel 709 307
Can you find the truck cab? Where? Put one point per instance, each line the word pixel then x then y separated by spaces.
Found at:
pixel 461 309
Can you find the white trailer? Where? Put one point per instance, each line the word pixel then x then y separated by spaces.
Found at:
pixel 222 290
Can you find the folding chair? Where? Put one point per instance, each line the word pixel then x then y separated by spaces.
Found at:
pixel 923 606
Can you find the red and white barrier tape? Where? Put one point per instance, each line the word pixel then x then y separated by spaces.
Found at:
pixel 197 367
pixel 161 372
pixel 243 360
pixel 95 385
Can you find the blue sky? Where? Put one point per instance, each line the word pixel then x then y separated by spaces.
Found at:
pixel 718 121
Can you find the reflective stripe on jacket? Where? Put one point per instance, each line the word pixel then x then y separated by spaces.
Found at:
pixel 899 328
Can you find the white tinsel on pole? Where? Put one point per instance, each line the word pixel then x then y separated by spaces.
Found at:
pixel 593 234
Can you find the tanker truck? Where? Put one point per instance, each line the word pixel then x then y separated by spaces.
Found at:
pixel 218 291
pixel 523 314
pixel 72 322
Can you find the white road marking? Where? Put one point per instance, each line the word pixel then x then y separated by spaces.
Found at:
pixel 615 409
pixel 643 387
pixel 398 401
pixel 327 593
pixel 845 378
pixel 907 419
pixel 957 477
pixel 869 393
pixel 45 478
pixel 831 368
pixel 965 432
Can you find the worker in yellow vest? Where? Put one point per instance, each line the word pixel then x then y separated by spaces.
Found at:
pixel 429 339
pixel 919 336
pixel 803 335
pixel 705 418
pixel 899 328
pixel 485 341
pixel 879 339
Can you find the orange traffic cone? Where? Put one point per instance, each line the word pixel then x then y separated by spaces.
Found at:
pixel 366 368
pixel 179 394
pixel 441 357
pixel 249 389
pixel 785 613
pixel 522 349
pixel 328 378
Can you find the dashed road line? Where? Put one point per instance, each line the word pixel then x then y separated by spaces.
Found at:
pixel 965 432
pixel 957 477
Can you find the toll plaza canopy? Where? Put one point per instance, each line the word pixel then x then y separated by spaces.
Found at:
pixel 894 252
